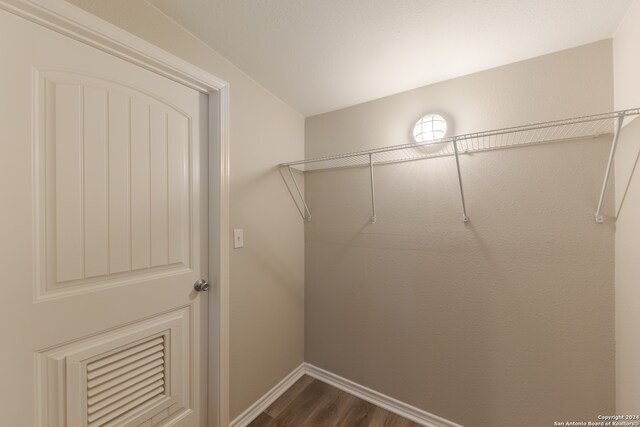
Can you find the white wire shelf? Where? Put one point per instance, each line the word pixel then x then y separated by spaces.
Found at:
pixel 554 131
pixel 537 133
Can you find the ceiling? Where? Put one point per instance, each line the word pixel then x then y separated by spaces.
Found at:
pixel 322 55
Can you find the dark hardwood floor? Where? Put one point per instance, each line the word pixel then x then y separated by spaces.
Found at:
pixel 310 402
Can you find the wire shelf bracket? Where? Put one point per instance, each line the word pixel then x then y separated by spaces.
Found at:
pixel 374 218
pixel 465 217
pixel 306 215
pixel 612 154
pixel 573 129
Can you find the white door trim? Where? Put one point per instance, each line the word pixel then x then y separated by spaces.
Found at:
pixel 80 25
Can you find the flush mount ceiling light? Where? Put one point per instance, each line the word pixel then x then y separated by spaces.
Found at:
pixel 429 128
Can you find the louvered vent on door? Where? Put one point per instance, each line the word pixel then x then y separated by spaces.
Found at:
pixel 124 381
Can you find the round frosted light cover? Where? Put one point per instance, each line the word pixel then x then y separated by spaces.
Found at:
pixel 431 127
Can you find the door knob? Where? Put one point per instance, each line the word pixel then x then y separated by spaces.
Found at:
pixel 201 285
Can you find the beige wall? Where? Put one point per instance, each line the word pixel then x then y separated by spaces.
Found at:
pixel 627 182
pixel 267 275
pixel 506 321
pixel 626 65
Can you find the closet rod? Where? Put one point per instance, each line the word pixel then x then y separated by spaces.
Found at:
pixel 498 139
pixel 573 129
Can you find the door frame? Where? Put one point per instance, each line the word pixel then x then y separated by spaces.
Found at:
pixel 80 25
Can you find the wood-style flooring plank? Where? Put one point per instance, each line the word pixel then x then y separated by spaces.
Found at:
pixel 359 413
pixel 332 407
pixel 383 418
pixel 288 396
pixel 263 420
pixel 302 407
pixel 313 403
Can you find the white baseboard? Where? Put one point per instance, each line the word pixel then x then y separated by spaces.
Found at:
pixel 390 404
pixel 265 401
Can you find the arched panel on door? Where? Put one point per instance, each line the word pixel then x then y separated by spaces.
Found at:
pixel 114 196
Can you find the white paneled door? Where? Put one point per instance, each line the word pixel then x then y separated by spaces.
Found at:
pixel 103 186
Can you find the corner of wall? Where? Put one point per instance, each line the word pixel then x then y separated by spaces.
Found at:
pixel 626 61
pixel 626 66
